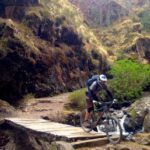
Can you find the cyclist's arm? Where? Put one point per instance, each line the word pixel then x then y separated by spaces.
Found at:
pixel 97 97
pixel 108 93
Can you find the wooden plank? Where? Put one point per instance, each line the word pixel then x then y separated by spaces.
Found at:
pixel 85 136
pixel 37 121
pixel 32 125
pixel 90 143
pixel 52 128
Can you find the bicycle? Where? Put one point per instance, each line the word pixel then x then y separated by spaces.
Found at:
pixel 105 122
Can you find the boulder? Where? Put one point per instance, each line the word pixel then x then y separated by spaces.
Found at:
pixel 5 108
pixel 139 111
pixel 146 123
pixel 143 47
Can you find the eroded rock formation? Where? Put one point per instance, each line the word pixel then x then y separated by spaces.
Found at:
pixel 100 12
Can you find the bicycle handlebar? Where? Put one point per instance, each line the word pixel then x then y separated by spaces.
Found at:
pixel 105 103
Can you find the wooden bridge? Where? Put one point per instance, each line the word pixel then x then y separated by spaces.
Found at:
pixel 53 131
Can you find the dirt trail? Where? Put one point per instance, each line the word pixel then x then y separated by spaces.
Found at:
pixel 41 107
pixel 54 107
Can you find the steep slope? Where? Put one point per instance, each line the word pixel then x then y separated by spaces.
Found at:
pixel 120 33
pixel 45 50
pixel 126 39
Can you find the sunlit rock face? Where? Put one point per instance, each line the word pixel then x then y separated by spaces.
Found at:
pixel 100 12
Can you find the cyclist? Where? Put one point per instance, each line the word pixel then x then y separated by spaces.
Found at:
pixel 94 86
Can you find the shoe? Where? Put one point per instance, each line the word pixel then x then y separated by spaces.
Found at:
pixel 86 124
pixel 130 137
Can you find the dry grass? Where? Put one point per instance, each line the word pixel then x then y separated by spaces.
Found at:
pixel 74 19
pixel 120 36
pixel 27 100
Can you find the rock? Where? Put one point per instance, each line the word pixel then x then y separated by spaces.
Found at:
pixel 15 12
pixel 100 12
pixel 13 139
pixel 16 8
pixel 146 141
pixel 117 147
pixel 4 139
pixel 19 2
pixel 146 123
pixel 123 148
pixel 143 139
pixel 143 47
pixel 5 108
pixel 72 119
pixel 109 43
pixel 137 27
pixel 110 147
pixel 139 112
pixel 60 145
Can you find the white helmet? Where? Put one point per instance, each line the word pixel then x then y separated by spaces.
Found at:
pixel 102 77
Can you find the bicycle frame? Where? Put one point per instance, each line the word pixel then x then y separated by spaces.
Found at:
pixel 105 112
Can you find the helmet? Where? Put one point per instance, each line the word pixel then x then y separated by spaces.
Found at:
pixel 102 77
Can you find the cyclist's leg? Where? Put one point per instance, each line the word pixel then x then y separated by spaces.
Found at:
pixel 95 97
pixel 90 107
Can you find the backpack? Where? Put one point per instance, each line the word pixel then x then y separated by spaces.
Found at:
pixel 92 79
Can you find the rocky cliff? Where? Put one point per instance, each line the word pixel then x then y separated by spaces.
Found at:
pixel 19 2
pixel 100 12
pixel 132 3
pixel 45 54
pixel 16 8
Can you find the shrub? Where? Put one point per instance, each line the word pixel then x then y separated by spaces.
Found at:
pixel 77 99
pixel 129 79
pixel 145 18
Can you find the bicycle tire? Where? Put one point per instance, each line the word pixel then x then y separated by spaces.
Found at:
pixel 82 116
pixel 114 137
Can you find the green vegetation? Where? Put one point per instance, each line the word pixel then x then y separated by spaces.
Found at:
pixel 145 18
pixel 129 79
pixel 77 99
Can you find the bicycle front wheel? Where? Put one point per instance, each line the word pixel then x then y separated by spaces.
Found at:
pixel 113 130
pixel 88 127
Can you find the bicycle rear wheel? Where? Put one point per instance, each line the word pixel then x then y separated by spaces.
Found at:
pixel 113 130
pixel 82 121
